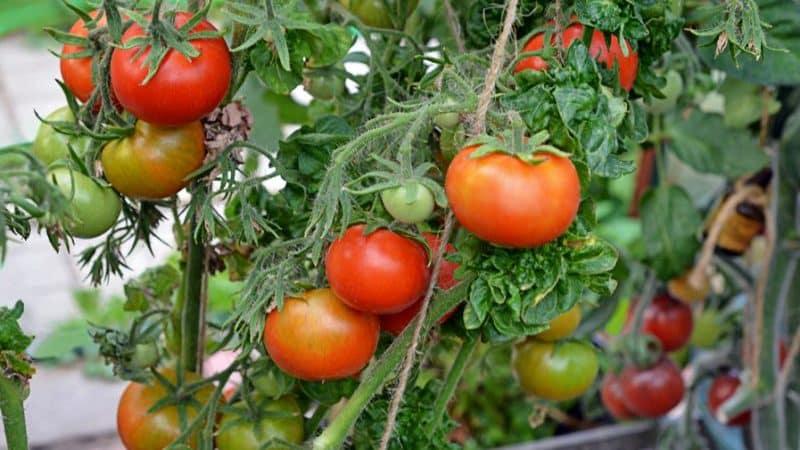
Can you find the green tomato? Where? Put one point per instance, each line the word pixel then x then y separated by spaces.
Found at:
pixel 410 203
pixel 672 90
pixel 323 85
pixel 375 13
pixel 94 208
pixel 280 419
pixel 708 329
pixel 144 355
pixel 50 145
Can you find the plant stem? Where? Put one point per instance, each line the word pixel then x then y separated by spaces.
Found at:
pixel 191 315
pixel 13 414
pixel 376 375
pixel 319 415
pixel 451 382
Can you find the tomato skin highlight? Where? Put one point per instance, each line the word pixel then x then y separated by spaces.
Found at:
pixel 503 200
pixel 286 424
pixel 652 391
pixel 668 320
pixel 318 337
pixel 627 65
pixel 555 371
pixel 77 72
pixel 381 273
pixel 152 163
pixel 182 90
pixel 95 208
pixel 140 430
pixel 613 398
pixel 722 388
pixel 562 326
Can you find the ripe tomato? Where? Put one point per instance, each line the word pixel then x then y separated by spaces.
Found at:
pixel 562 326
pixel 652 391
pixel 279 419
pixel 447 270
pixel 142 430
pixel 183 90
pixel 669 321
pixel 708 329
pixel 94 208
pixel 153 162
pixel 381 273
pixel 409 203
pixel 723 388
pixel 614 399
pixel 555 371
pixel 627 66
pixel 317 337
pixel 50 145
pixel 506 201
pixel 77 72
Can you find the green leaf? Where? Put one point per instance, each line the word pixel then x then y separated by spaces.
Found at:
pixel 670 224
pixel 11 336
pixel 702 141
pixel 155 286
pixel 744 103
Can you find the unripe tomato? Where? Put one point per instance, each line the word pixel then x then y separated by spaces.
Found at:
pixel 555 371
pixel 318 337
pixel 409 203
pixel 652 391
pixel 613 398
pixel 183 90
pixel 381 273
pixel 77 72
pixel 50 145
pixel 672 90
pixel 142 430
pixel 722 388
pixel 562 326
pixel 94 208
pixel 154 161
pixel 669 321
pixel 506 201
pixel 323 85
pixel 280 420
pixel 627 66
pixel 144 355
pixel 708 329
pixel 374 13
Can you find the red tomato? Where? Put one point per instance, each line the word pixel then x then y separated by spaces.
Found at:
pixel 652 391
pixel 77 72
pixel 627 65
pixel 381 273
pixel 182 90
pixel 317 337
pixel 669 321
pixel 506 201
pixel 446 279
pixel 613 398
pixel 723 388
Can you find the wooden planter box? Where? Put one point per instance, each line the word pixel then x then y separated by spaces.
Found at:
pixel 629 436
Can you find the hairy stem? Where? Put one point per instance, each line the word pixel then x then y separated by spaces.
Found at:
pixel 11 398
pixel 451 382
pixel 191 315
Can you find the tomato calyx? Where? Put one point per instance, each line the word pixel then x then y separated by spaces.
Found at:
pixel 162 36
pixel 513 142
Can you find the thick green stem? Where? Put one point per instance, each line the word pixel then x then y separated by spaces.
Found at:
pixel 451 382
pixel 11 397
pixel 376 376
pixel 191 316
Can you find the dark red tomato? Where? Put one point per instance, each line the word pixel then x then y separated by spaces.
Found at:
pixel 669 321
pixel 652 391
pixel 506 201
pixel 142 430
pixel 614 399
pixel 381 273
pixel 446 279
pixel 77 72
pixel 627 65
pixel 317 337
pixel 723 388
pixel 183 90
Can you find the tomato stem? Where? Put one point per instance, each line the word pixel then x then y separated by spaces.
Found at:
pixel 451 382
pixel 376 375
pixel 11 397
pixel 194 300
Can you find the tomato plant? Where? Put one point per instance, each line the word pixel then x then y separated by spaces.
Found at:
pixel 669 321
pixel 195 83
pixel 507 201
pixel 652 391
pixel 94 208
pixel 555 371
pixel 722 388
pixel 142 429
pixel 154 162
pixel 382 272
pixel 409 203
pixel 277 421
pixel 337 343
